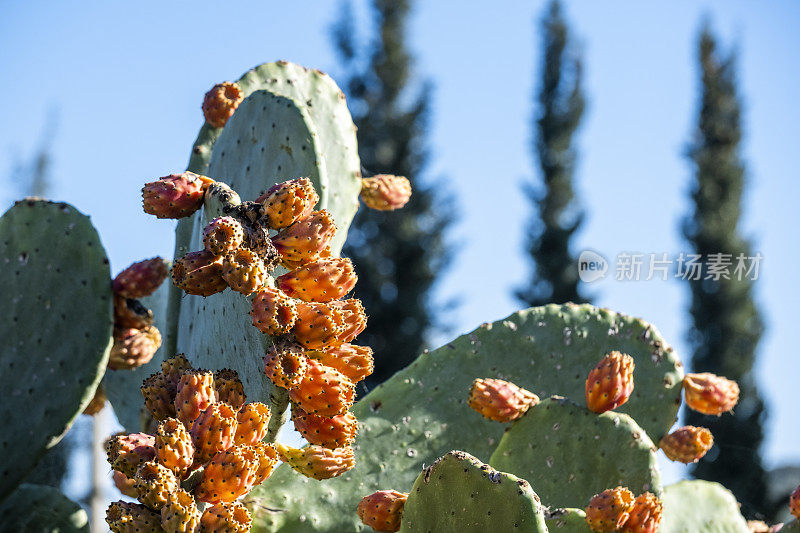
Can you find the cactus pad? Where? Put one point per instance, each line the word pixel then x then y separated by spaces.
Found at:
pixel 41 509
pixel 701 507
pixel 566 521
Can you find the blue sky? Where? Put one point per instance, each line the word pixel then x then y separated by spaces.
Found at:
pixel 128 80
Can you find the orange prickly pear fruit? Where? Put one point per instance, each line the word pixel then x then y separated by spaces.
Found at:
pixel 610 383
pixel 225 518
pixel 318 326
pixel 180 514
pixel 687 444
pixel 645 515
pixel 500 400
pixel 273 312
pixel 176 195
pixel 127 452
pixel 267 458
pixel 285 364
pixel 229 475
pixel 199 273
pixel 173 368
pixel 326 253
pixel 159 396
pixel 353 361
pixel 130 313
pixel 153 483
pixel 323 391
pixel 141 278
pixel 251 423
pixel 229 388
pixel 382 510
pixel 213 431
pixel 244 271
pixel 608 510
pixel 174 447
pixel 124 484
pixel 317 462
pixel 385 192
pixel 794 503
pixel 195 393
pixel 286 203
pixel 223 235
pixel 220 102
pixel 353 316
pixel 710 394
pixel 329 432
pixel 124 517
pixel 133 347
pixel 304 240
pixel 97 402
pixel 322 280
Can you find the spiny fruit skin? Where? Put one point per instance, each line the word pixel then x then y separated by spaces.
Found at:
pixel 286 203
pixel 499 400
pixel 353 316
pixel 124 517
pixel 273 312
pixel 687 444
pixel 176 195
pixel 130 313
pixel 610 383
pixel 382 510
pixel 794 503
pixel 221 102
pixel 329 432
pixel 154 483
pixel 225 518
pixel 196 392
pixel 180 514
pixel 323 391
pixel 229 387
pixel 124 484
pixel 385 192
pixel 645 515
pixel 159 396
pixel 318 326
pixel 174 447
pixel 355 362
pixel 252 421
pixel 199 273
pixel 229 475
pixel 293 264
pixel 133 347
pixel 174 367
pixel 304 240
pixel 267 457
pixel 322 280
pixel 97 402
pixel 223 235
pixel 141 278
pixel 127 452
pixel 285 364
pixel 243 271
pixel 213 431
pixel 710 394
pixel 608 510
pixel 317 462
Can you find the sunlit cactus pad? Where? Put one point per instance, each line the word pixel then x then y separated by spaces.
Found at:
pixel 698 506
pixel 566 521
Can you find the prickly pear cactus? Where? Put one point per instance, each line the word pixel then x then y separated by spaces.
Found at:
pixel 56 328
pixel 41 509
pixel 792 526
pixel 570 453
pixel 566 521
pixel 459 493
pixel 701 507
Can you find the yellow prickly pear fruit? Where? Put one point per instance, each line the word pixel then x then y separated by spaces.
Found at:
pixel 225 518
pixel 273 312
pixel 385 192
pixel 213 431
pixel 220 102
pixel 252 422
pixel 133 347
pixel 141 278
pixel 267 459
pixel 124 517
pixel 322 280
pixel 382 510
pixel 354 318
pixel 645 515
pixel 180 514
pixel 127 452
pixel 159 396
pixel 229 475
pixel 710 394
pixel 323 391
pixel 176 195
pixel 285 364
pixel 318 326
pixel 199 273
pixel 330 432
pixel 499 400
pixel 608 510
pixel 610 383
pixel 306 239
pixel 353 361
pixel 174 447
pixel 317 462
pixel 154 483
pixel 229 388
pixel 195 393
pixel 286 203
pixel 244 271
pixel 687 444
pixel 223 235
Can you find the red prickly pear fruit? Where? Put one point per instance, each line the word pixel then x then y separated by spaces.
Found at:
pixel 610 383
pixel 133 347
pixel 267 458
pixel 159 396
pixel 286 203
pixel 645 515
pixel 499 400
pixel 244 271
pixel 304 240
pixel 130 313
pixel 710 394
pixel 323 391
pixel 226 518
pixel 318 326
pixel 180 514
pixel 220 102
pixel 199 273
pixel 608 510
pixel 382 510
pixel 213 431
pixel 794 503
pixel 124 517
pixel 97 402
pixel 223 235
pixel 195 393
pixel 174 367
pixel 385 192
pixel 273 312
pixel 229 475
pixel 317 462
pixel 153 483
pixel 141 278
pixel 687 444
pixel 124 484
pixel 127 452
pixel 229 388
pixel 329 432
pixel 285 364
pixel 322 280
pixel 252 422
pixel 176 195
pixel 355 362
pixel 174 447
pixel 354 318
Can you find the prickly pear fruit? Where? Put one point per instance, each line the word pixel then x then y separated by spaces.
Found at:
pixel 353 361
pixel 221 102
pixel 180 514
pixel 124 517
pixel 124 484
pixel 176 195
pixel 608 510
pixel 174 447
pixel 385 192
pixel 610 383
pixel 286 203
pixel 159 396
pixel 223 235
pixel 710 394
pixel 229 388
pixel 794 503
pixel 645 515
pixel 97 402
pixel 304 240
pixel 687 444
pixel 322 280
pixel 199 273
pixel 329 432
pixel 354 318
pixel 251 423
pixel 244 271
pixel 230 474
pixel 317 462
pixel 130 313
pixel 127 452
pixel 323 391
pixel 173 368
pixel 382 510
pixel 213 431
pixel 225 518
pixel 267 459
pixel 499 400
pixel 288 264
pixel 133 347
pixel 153 483
pixel 318 326
pixel 285 364
pixel 195 393
pixel 273 312
pixel 141 278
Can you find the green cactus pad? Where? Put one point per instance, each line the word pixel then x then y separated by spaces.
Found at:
pixel 566 521
pixel 701 507
pixel 421 413
pixel 570 453
pixel 459 493
pixel 793 526
pixel 56 328
pixel 41 509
